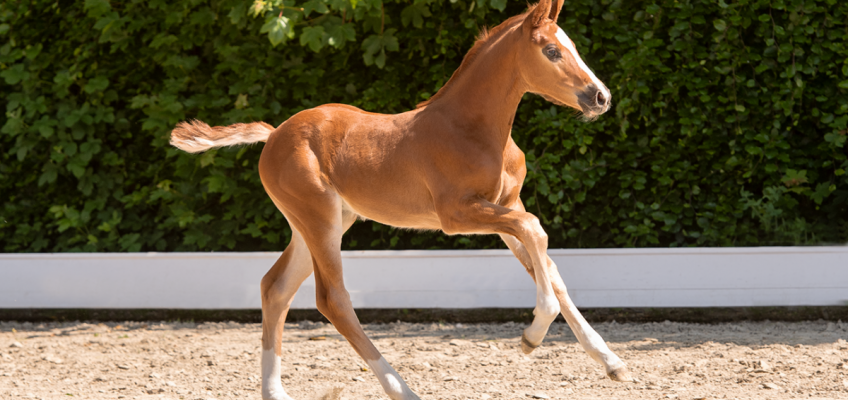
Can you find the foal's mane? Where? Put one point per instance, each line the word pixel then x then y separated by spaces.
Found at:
pixel 485 38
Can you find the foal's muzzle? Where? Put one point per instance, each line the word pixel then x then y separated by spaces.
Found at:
pixel 594 100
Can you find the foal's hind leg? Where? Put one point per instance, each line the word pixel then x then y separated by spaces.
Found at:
pixel 278 289
pixel 323 235
pixel 588 338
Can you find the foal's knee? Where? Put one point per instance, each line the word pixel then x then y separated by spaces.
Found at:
pixel 532 228
pixel 331 302
pixel 268 287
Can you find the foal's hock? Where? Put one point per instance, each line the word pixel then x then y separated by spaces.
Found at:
pixel 449 164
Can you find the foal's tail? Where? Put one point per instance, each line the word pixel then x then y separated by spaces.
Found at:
pixel 195 136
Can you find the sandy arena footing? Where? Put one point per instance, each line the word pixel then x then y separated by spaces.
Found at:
pixel 172 360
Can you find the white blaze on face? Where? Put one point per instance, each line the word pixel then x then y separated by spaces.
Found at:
pixel 566 42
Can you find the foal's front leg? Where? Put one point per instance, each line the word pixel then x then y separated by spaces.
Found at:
pixel 588 338
pixel 481 216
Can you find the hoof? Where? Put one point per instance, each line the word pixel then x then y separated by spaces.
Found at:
pixel 526 346
pixel 620 374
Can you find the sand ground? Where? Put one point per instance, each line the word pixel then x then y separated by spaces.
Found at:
pixel 172 360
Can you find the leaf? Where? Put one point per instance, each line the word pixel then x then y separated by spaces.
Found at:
pixel 794 178
pixel 415 13
pixel 822 191
pixel 312 36
pixel 499 5
pixel 44 126
pixel 379 44
pixel 380 60
pixel 77 168
pixel 338 5
pixel 338 35
pixel 371 45
pixel 96 84
pixel 107 22
pixel 235 15
pixel 96 8
pixel 162 39
pixel 836 139
pixel 15 74
pixel 314 5
pixel 47 177
pixel 130 243
pixel 720 25
pixel 207 159
pixel 278 29
pixel 202 17
pixel 390 42
pixel 33 51
pixel 241 101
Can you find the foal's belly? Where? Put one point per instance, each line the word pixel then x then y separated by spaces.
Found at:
pixel 394 211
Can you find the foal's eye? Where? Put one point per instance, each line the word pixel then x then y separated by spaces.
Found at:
pixel 552 52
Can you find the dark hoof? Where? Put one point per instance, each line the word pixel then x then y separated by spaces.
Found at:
pixel 526 346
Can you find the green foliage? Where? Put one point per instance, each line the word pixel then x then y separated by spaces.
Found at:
pixel 728 124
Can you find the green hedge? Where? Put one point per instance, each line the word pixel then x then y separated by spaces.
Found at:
pixel 728 126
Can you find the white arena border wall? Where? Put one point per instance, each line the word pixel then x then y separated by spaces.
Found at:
pixel 596 278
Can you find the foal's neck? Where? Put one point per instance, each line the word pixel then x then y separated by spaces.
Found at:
pixel 484 97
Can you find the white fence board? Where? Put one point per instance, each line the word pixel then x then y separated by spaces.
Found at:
pixel 699 277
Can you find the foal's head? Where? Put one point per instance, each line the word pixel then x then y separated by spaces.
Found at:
pixel 551 66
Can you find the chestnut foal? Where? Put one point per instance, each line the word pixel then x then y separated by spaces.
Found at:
pixel 450 164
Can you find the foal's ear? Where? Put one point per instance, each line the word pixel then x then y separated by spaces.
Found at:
pixel 541 13
pixel 556 7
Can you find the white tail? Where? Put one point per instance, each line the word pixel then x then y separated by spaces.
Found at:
pixel 196 136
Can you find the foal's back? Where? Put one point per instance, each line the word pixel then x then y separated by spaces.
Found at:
pixel 367 159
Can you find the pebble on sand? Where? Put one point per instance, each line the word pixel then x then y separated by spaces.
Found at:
pixel 53 359
pixel 16 344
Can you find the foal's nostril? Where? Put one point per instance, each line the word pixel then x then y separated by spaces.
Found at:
pixel 602 101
